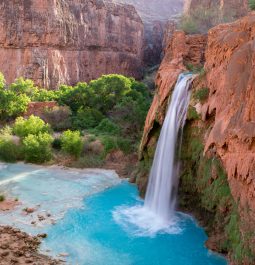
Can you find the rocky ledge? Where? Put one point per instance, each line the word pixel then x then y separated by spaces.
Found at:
pixel 17 247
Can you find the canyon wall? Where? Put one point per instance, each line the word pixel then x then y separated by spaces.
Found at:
pixel 218 173
pixel 57 41
pixel 155 16
pixel 234 8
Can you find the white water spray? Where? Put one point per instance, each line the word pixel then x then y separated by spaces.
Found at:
pixel 163 181
pixel 157 214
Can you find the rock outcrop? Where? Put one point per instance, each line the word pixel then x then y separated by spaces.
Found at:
pixel 155 17
pixel 54 42
pixel 181 51
pixel 219 145
pixel 230 67
pixel 234 8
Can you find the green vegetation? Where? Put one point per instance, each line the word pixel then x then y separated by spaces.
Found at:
pixel 59 117
pixel 201 19
pixel 202 94
pixel 33 125
pixel 71 142
pixel 111 109
pixel 204 187
pixel 37 148
pixel 192 113
pixel 252 4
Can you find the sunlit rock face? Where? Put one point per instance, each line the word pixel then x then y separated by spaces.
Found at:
pixel 155 15
pixel 66 41
pixel 235 8
pixel 230 76
pixel 182 50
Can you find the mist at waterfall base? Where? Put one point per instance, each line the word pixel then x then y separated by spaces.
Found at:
pixel 98 219
pixel 84 205
pixel 158 215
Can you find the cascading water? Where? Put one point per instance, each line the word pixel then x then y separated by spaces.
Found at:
pixel 157 213
pixel 163 181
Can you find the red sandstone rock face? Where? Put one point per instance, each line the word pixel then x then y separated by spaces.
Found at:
pixel 230 66
pixel 181 50
pixel 235 8
pixel 57 41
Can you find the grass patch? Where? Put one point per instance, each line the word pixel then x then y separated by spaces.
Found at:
pixel 202 94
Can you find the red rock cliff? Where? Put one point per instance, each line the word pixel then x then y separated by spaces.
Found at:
pixel 181 50
pixel 228 114
pixel 230 67
pixel 57 41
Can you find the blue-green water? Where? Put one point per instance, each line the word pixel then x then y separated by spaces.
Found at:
pixel 92 230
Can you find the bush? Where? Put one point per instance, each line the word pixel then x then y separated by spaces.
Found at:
pixel 9 151
pixel 33 125
pixel 87 118
pixel 116 143
pixel 43 95
pixel 106 126
pixel 71 142
pixel 2 81
pixel 59 117
pixel 252 4
pixel 11 104
pixel 202 94
pixel 37 148
pixel 89 161
pixel 2 198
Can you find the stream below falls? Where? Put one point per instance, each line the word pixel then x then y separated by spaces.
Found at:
pixel 82 213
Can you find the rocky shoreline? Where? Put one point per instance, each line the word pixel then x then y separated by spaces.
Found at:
pixel 17 247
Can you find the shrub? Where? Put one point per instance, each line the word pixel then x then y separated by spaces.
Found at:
pixel 89 161
pixel 106 126
pixel 43 95
pixel 252 4
pixel 2 198
pixel 33 125
pixel 72 142
pixel 189 25
pixel 116 143
pixel 9 151
pixel 59 117
pixel 37 148
pixel 11 104
pixel 24 86
pixel 202 94
pixel 87 118
pixel 2 81
pixel 192 114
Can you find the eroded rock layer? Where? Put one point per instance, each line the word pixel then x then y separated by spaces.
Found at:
pixel 57 41
pixel 181 51
pixel 230 67
pixel 218 178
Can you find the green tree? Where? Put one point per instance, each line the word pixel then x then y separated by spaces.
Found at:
pixel 12 104
pixel 37 148
pixel 33 125
pixel 71 142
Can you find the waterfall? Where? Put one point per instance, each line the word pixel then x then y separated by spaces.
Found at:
pixel 157 214
pixel 163 180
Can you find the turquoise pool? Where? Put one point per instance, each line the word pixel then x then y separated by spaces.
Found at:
pixel 85 220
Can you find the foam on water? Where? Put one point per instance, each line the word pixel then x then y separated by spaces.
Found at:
pixel 141 221
pixel 93 222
